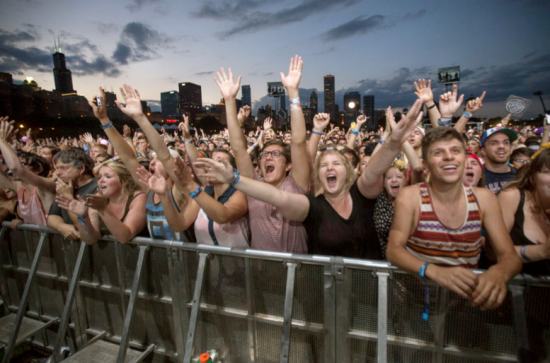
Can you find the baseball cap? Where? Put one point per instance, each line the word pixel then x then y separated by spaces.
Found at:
pixel 490 132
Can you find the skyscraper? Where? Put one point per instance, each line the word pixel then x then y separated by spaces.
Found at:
pixel 313 103
pixel 329 96
pixel 190 99
pixel 246 95
pixel 352 106
pixel 170 104
pixel 368 110
pixel 62 76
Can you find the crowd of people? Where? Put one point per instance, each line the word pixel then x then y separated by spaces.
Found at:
pixel 436 201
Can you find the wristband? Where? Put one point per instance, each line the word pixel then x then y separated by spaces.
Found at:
pixel 190 142
pixel 399 156
pixel 355 132
pixel 522 252
pixel 295 101
pixel 317 132
pixel 81 220
pixel 422 272
pixel 467 115
pixel 382 141
pixel 443 122
pixel 432 106
pixel 196 192
pixel 107 126
pixel 253 145
pixel 295 106
pixel 237 177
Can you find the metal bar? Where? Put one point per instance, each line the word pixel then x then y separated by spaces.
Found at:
pixel 34 298
pixel 3 281
pixel 62 330
pixel 520 323
pixel 179 307
pixel 442 297
pixel 251 303
pixel 343 291
pixel 131 305
pixel 79 305
pixel 24 300
pixel 196 307
pixel 121 280
pixel 382 344
pixel 329 295
pixel 289 302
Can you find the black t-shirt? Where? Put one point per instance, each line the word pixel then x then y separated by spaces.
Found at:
pixel 330 234
pixel 495 182
pixel 83 191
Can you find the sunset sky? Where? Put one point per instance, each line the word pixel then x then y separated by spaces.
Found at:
pixel 372 47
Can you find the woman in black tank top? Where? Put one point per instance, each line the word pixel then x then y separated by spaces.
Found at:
pixel 525 206
pixel 117 209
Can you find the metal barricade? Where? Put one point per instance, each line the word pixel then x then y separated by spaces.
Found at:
pixel 261 306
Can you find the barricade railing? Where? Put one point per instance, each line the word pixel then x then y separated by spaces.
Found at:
pixel 262 306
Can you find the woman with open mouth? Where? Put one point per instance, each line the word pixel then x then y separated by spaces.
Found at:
pixel 473 172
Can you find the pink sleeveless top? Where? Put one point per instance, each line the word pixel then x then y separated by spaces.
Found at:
pixel 31 210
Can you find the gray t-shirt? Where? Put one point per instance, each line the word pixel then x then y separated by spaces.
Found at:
pixel 83 191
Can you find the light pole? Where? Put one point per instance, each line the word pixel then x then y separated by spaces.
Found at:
pixel 539 93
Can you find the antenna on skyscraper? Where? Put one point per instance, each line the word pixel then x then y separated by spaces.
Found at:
pixel 59 43
pixel 54 45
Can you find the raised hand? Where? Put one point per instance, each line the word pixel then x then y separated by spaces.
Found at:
pixel 423 91
pixel 361 119
pixel 243 115
pixel 228 88
pixel 505 120
pixel 6 129
pixel 449 103
pixel 183 174
pixel 97 201
pixel 184 128
pixel 64 189
pixel 100 112
pixel 321 121
pixel 221 171
pixel 401 131
pixel 154 182
pixel 474 105
pixel 75 206
pixel 133 102
pixel 292 80
pixel 88 138
pixel 268 123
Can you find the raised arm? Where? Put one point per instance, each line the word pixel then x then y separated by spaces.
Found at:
pixel 292 206
pixel 229 90
pixel 320 123
pixel 424 93
pixel 370 183
pixel 13 163
pixel 472 106
pixel 415 162
pixel 124 151
pixel 361 119
pixel 190 147
pixel 300 164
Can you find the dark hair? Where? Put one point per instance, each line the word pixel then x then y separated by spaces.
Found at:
pixel 53 150
pixel 532 140
pixel 525 176
pixel 143 137
pixel 440 134
pixel 77 158
pixel 278 142
pixel 521 151
pixel 231 157
pixel 369 148
pixel 36 162
pixel 355 157
pixel 103 156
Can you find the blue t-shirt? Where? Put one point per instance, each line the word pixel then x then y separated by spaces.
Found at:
pixel 495 182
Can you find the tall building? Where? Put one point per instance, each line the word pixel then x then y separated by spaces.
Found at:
pixel 190 95
pixel 352 106
pixel 62 76
pixel 329 96
pixel 313 103
pixel 246 95
pixel 170 104
pixel 368 110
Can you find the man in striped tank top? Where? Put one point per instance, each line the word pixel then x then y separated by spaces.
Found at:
pixel 436 230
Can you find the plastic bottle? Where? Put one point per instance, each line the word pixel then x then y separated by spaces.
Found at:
pixel 204 358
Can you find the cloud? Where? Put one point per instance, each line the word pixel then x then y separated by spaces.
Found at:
pixel 83 57
pixel 135 5
pixel 326 51
pixel 207 73
pixel 107 28
pixel 359 25
pixel 249 20
pixel 139 42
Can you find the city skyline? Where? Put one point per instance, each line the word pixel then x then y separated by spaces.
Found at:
pixel 154 45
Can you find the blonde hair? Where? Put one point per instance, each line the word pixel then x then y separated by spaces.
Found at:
pixel 129 186
pixel 350 173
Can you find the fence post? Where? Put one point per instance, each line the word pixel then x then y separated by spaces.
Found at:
pixel 180 297
pixel 343 291
pixel 329 294
pixel 287 314
pixel 382 343
pixel 251 302
pixel 3 280
pixel 440 322
pixel 520 322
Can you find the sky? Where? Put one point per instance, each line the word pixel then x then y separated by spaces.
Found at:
pixel 372 47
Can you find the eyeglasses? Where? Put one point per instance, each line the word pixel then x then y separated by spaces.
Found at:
pixel 521 160
pixel 274 153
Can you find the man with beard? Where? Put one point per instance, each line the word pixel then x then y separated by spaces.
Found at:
pixel 496 145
